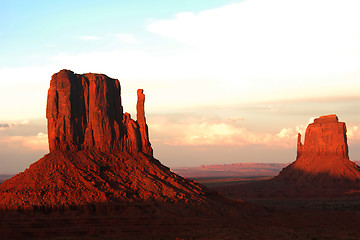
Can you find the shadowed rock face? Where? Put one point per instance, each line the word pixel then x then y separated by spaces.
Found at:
pixel 85 112
pixel 98 154
pixel 323 156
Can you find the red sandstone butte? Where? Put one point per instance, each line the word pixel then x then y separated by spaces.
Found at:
pixel 323 156
pixel 85 112
pixel 322 168
pixel 98 154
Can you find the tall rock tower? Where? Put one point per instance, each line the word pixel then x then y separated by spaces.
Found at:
pixel 145 143
pixel 85 112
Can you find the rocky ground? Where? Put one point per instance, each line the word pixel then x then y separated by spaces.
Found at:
pixel 262 219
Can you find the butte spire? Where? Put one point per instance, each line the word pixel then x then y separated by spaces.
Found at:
pixel 145 143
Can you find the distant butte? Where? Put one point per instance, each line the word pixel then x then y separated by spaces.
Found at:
pixel 322 168
pixel 98 154
pixel 323 158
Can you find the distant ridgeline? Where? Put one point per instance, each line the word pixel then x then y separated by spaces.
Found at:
pixel 232 170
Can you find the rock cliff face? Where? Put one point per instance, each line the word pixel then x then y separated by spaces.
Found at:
pixel 98 154
pixel 325 137
pixel 85 112
pixel 324 154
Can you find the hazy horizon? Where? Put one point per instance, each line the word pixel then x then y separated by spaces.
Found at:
pixel 226 81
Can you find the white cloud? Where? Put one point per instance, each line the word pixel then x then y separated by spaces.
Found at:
pixel 23 91
pixel 353 132
pixel 286 133
pixel 269 46
pixel 30 143
pixel 6 125
pixel 200 131
pixel 126 38
pixel 270 28
pixel 38 142
pixel 122 37
pixel 88 37
pixel 25 122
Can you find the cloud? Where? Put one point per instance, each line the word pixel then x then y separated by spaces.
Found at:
pixel 126 38
pixel 353 132
pixel 286 133
pixel 269 46
pixel 197 131
pixel 4 125
pixel 88 37
pixel 234 120
pixel 50 45
pixel 23 91
pixel 269 28
pixel 38 142
pixel 30 143
pixel 201 131
pixel 122 37
pixel 18 152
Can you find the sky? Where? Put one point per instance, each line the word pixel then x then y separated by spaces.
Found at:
pixel 226 81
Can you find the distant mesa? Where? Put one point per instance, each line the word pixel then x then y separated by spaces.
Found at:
pixel 98 153
pixel 322 168
pixel 234 170
pixel 323 158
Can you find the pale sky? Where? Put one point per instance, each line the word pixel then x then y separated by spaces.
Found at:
pixel 226 81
